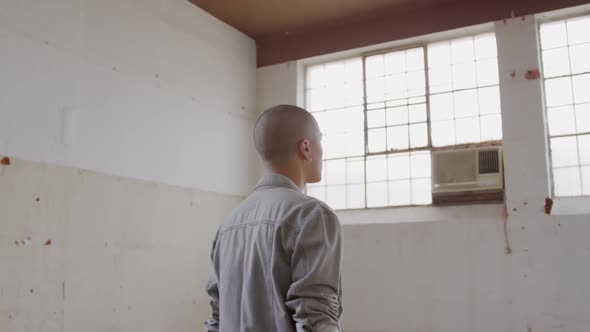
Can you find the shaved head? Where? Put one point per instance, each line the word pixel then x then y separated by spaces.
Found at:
pixel 280 129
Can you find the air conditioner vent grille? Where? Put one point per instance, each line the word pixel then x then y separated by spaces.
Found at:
pixel 489 162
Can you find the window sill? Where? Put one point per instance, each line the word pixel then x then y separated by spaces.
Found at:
pixel 430 213
pixel 566 206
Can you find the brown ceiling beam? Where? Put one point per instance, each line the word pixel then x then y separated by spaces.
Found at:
pixel 396 25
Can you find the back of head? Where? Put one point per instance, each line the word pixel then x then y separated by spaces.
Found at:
pixel 279 130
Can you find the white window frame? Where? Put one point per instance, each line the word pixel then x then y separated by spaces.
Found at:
pixel 363 53
pixel 566 205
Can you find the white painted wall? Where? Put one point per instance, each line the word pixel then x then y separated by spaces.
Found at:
pixel 149 89
pixel 155 96
pixel 278 85
pixel 447 269
pixel 125 255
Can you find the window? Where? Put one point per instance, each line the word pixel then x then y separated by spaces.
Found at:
pixel 382 114
pixel 565 48
pixel 334 94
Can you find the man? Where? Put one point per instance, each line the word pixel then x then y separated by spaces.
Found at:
pixel 276 258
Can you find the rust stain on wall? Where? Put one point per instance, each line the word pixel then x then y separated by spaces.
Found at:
pixel 47 243
pixel 532 74
pixel 5 161
pixel 548 205
pixel 508 249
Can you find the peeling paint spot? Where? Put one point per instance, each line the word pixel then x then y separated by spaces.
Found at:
pixel 10 316
pixel 32 291
pixel 157 76
pixel 529 328
pixel 37 199
pixel 526 203
pixel 26 241
pixel 548 205
pixel 532 74
pixel 128 307
pixel 522 228
pixel 513 73
pixel 515 209
pixel 63 290
pixel 47 243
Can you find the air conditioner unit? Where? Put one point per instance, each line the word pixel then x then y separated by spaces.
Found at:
pixel 471 174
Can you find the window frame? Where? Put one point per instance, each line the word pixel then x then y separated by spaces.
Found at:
pixel 364 57
pixel 547 18
pixel 420 42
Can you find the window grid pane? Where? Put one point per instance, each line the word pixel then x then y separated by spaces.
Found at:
pixel 396 101
pixel 381 115
pixel 565 48
pixel 334 95
pixel 461 105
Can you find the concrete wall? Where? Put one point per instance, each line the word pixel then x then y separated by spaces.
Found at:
pixel 172 88
pixel 129 121
pixel 83 251
pixel 454 275
pixel 482 268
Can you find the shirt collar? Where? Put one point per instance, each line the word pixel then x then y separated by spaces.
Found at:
pixel 276 180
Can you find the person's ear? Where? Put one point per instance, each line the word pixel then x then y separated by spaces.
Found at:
pixel 305 150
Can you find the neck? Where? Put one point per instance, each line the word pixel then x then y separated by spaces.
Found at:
pixel 293 173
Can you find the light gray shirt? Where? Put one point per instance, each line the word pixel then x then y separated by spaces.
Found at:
pixel 277 263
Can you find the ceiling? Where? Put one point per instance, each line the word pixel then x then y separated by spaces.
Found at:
pixel 265 19
pixel 286 30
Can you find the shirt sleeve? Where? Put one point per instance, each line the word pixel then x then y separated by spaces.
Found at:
pixel 315 294
pixel 212 324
